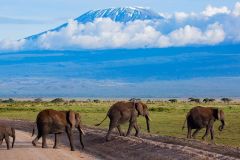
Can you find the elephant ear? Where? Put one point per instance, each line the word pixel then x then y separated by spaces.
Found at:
pixel 71 118
pixel 139 108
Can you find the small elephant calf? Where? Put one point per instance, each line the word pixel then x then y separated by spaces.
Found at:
pixel 5 132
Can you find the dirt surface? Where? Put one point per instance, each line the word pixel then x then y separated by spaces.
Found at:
pixel 148 147
pixel 24 150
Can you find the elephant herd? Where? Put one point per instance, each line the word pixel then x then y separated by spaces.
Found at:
pixel 56 122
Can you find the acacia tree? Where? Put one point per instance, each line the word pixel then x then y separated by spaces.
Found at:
pixel 226 100
pixel 173 100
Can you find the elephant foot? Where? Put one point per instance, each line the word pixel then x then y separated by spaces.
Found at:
pixel 122 134
pixel 44 146
pixel 55 147
pixel 72 149
pixel 213 142
pixel 34 143
pixel 136 135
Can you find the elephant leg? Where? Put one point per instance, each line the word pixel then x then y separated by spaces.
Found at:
pixel 34 142
pixel 69 134
pixel 137 130
pixel 212 134
pixel 7 141
pixel 112 125
pixel 206 133
pixel 57 135
pixel 195 133
pixel 1 141
pixel 44 141
pixel 189 135
pixel 131 125
pixel 120 131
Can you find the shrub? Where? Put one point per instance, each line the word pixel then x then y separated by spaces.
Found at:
pixel 134 99
pixel 197 100
pixel 10 100
pixel 38 100
pixel 206 100
pixel 72 101
pixel 226 100
pixel 96 101
pixel 58 100
pixel 172 100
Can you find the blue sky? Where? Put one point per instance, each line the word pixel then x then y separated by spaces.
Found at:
pixel 21 18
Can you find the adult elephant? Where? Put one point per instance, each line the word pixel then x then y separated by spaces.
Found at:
pixel 56 122
pixel 203 117
pixel 5 132
pixel 122 112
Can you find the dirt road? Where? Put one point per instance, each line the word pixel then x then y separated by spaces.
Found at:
pixel 24 150
pixel 148 147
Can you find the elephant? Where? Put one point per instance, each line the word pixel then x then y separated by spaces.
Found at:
pixel 203 117
pixel 122 112
pixel 56 122
pixel 5 132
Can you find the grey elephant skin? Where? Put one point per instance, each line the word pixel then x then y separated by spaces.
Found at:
pixel 56 122
pixel 122 112
pixel 5 133
pixel 203 117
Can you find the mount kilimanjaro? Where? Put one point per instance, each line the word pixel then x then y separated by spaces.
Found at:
pixel 121 14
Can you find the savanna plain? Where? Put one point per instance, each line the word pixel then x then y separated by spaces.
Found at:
pixel 167 117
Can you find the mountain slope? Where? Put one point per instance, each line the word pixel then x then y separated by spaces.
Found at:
pixel 124 15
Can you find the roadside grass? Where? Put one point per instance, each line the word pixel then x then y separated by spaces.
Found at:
pixel 167 118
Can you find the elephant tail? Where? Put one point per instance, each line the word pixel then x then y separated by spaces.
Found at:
pixel 101 121
pixel 185 121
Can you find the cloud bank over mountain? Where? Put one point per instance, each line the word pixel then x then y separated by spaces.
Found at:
pixel 213 26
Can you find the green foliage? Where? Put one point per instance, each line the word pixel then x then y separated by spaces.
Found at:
pixel 58 100
pixel 172 100
pixel 96 101
pixel 196 100
pixel 38 100
pixel 10 100
pixel 207 100
pixel 226 100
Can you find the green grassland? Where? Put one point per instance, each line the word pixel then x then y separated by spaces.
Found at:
pixel 167 118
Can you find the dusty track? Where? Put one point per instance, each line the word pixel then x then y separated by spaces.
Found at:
pixel 147 147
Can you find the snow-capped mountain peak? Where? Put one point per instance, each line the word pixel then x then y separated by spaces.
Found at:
pixel 121 14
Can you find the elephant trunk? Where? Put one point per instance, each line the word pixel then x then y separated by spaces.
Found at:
pixel 147 121
pixel 221 127
pixel 80 136
pixel 13 135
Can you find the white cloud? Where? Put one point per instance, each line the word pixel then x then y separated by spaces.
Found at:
pixel 210 27
pixel 191 35
pixel 11 44
pixel 211 11
pixel 236 10
pixel 105 33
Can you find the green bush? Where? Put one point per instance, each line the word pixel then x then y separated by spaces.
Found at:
pixel 172 100
pixel 58 100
